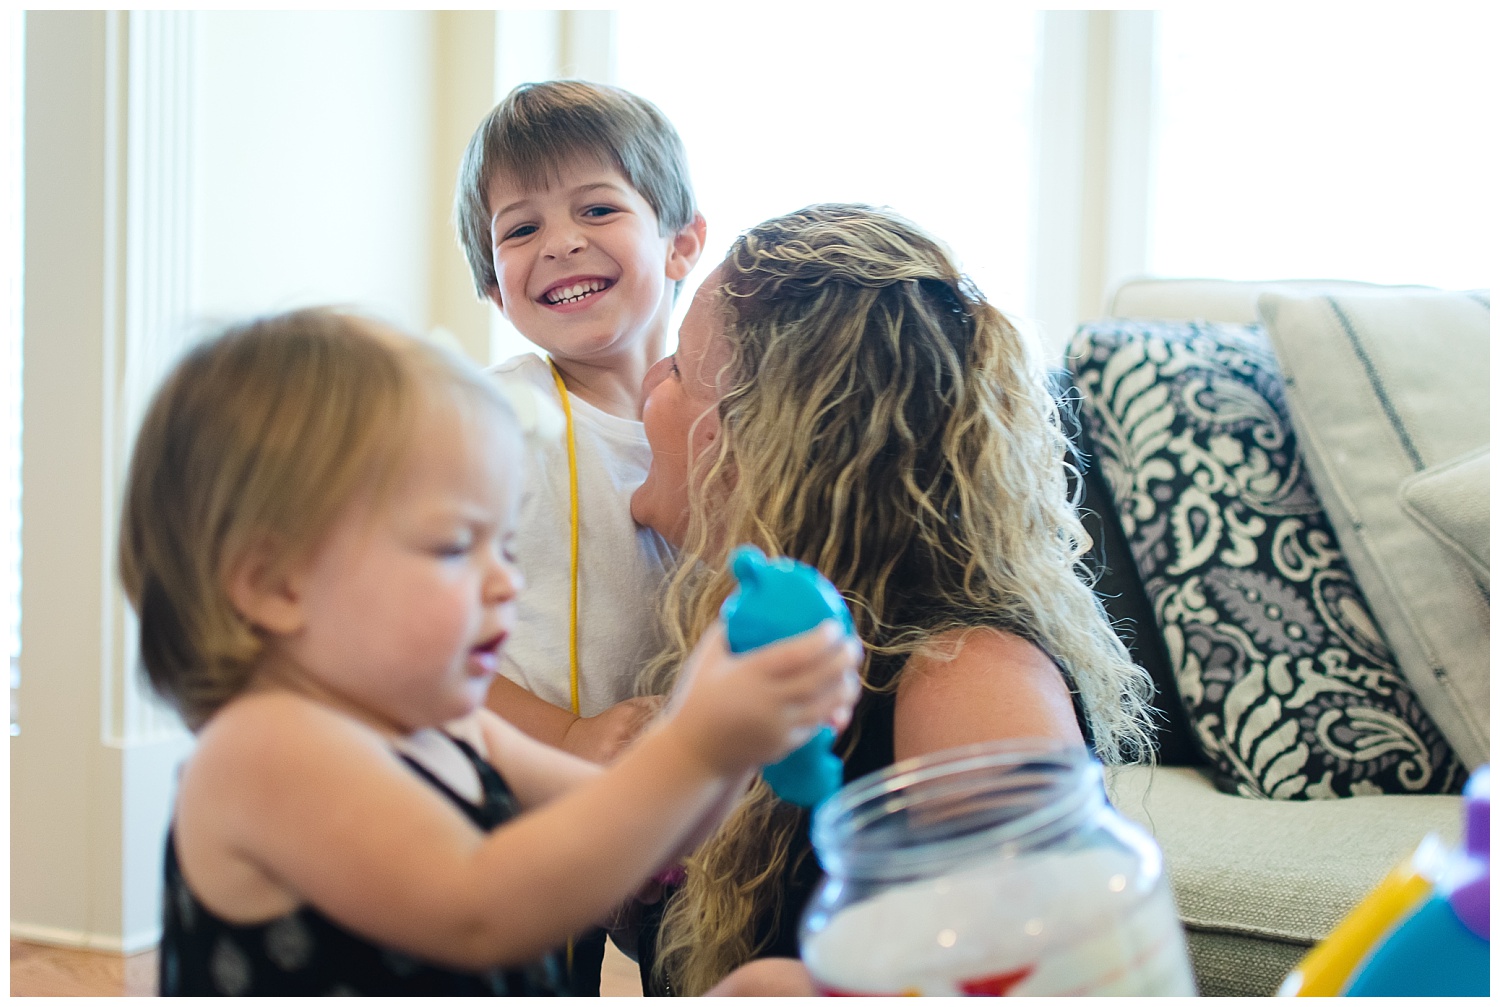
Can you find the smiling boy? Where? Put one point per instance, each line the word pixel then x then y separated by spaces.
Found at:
pixel 578 220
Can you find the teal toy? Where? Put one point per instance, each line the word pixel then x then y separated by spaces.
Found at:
pixel 777 599
pixel 1424 931
pixel 1443 947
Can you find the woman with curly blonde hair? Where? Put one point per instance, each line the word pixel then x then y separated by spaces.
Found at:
pixel 843 395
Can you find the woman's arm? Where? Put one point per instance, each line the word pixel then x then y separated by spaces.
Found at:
pixel 996 685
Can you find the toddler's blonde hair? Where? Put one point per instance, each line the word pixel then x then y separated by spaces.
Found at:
pixel 258 438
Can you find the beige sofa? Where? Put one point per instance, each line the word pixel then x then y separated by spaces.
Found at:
pixel 1259 881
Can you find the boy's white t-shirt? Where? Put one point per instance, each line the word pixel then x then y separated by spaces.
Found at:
pixel 621 566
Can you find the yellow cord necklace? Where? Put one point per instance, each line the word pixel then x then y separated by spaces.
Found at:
pixel 562 392
pixel 567 407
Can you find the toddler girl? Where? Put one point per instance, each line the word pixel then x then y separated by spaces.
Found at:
pixel 317 538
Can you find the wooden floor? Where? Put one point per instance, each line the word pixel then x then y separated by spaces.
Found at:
pixel 40 970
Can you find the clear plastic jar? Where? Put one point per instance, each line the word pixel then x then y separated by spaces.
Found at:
pixel 995 869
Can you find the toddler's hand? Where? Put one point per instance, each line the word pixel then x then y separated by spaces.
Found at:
pixel 604 736
pixel 741 711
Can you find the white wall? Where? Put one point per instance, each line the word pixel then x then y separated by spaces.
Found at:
pixel 68 776
pixel 311 140
pixel 177 164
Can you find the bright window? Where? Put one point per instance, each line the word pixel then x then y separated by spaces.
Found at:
pixel 925 114
pixel 1322 142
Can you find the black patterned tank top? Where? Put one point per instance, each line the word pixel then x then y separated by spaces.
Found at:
pixel 304 953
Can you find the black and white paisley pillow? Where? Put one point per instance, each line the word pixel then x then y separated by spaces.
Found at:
pixel 1291 689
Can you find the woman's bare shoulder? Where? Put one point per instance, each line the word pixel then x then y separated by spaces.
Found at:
pixel 976 684
pixel 985 646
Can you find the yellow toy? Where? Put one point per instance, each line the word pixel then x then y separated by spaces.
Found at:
pixel 1327 968
pixel 1424 930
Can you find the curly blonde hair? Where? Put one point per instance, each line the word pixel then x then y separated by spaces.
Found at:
pixel 887 425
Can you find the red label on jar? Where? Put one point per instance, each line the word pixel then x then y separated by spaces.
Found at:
pixel 997 985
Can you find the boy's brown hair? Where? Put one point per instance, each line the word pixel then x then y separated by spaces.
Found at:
pixel 539 127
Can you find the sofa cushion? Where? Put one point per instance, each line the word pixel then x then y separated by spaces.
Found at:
pixel 1452 504
pixel 1291 689
pixel 1386 387
pixel 1258 883
pixel 1117 585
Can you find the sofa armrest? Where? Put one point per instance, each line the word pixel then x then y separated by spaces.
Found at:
pixel 1210 300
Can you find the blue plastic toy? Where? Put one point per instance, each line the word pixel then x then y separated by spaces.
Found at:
pixel 777 599
pixel 1424 930
pixel 1443 948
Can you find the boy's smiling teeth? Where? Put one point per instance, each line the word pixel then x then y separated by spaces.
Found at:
pixel 574 292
